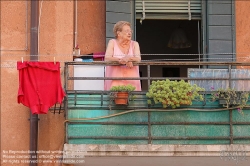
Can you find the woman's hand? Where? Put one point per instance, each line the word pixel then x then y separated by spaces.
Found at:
pixel 125 61
pixel 122 61
pixel 129 64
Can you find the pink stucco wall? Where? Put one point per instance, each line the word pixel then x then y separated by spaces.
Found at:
pixel 91 26
pixel 56 39
pixel 242 13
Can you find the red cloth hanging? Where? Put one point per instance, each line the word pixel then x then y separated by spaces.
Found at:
pixel 39 85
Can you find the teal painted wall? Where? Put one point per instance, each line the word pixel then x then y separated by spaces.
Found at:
pixel 184 134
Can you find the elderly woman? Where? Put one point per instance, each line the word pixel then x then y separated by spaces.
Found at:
pixel 125 51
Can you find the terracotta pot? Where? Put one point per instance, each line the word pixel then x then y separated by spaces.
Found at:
pixel 122 98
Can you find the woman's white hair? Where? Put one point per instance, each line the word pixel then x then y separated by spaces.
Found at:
pixel 118 27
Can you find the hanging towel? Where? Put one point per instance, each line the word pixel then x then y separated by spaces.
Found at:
pixel 99 56
pixel 39 85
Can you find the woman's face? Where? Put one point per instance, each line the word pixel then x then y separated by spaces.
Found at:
pixel 126 33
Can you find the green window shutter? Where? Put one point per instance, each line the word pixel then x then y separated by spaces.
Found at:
pixel 169 9
pixel 119 10
pixel 219 21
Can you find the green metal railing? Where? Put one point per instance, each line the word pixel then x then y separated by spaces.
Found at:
pixel 91 117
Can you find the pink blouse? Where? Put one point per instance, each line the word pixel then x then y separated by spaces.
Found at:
pixel 122 70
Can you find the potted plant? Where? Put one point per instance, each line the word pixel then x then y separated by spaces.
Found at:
pixel 173 93
pixel 230 97
pixel 120 93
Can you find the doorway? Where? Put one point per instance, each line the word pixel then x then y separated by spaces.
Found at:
pixel 153 37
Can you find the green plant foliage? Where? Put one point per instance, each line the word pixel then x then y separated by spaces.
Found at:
pixel 123 88
pixel 174 93
pixel 231 97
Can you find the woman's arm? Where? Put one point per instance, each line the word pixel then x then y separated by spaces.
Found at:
pixel 137 53
pixel 110 52
pixel 135 58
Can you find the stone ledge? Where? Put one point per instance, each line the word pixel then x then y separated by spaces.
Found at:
pixel 155 150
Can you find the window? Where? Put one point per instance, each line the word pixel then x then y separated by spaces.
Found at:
pixel 209 25
pixel 168 9
pixel 216 21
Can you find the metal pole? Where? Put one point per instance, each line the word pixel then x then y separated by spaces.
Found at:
pixel 230 75
pixel 149 129
pixel 148 74
pixel 231 126
pixel 34 57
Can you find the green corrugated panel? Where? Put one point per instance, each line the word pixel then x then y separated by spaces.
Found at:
pixel 241 118
pixel 190 130
pixel 241 130
pixel 190 116
pixel 130 117
pixel 107 130
pixel 164 130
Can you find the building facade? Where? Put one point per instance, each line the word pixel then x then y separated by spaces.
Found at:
pixel 217 30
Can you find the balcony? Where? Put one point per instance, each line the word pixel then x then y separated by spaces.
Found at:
pixel 92 118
